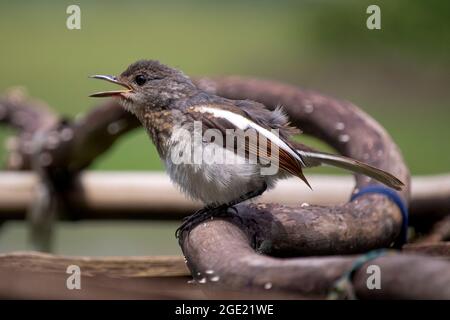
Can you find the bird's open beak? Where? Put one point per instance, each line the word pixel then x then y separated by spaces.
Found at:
pixel 110 93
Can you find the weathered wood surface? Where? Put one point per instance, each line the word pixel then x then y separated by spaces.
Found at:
pixel 33 275
pixel 114 267
pixel 439 249
pixel 403 276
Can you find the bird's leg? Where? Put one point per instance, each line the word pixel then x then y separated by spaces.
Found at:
pixel 248 195
pixel 215 211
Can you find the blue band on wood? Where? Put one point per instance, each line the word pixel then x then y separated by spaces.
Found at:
pixel 394 197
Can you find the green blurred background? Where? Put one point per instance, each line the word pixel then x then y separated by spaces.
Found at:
pixel 399 74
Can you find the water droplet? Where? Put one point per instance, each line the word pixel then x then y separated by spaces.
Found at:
pixel 116 127
pixel 202 280
pixel 199 273
pixel 52 141
pixel 268 286
pixel 215 278
pixel 304 204
pixel 113 128
pixel 309 107
pixel 209 271
pixel 340 126
pixel 344 138
pixel 66 134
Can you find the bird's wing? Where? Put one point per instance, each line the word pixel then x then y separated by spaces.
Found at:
pixel 223 117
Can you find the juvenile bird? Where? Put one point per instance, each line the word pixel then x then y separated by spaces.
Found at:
pixel 247 148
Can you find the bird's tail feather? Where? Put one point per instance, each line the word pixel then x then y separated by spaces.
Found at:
pixel 313 158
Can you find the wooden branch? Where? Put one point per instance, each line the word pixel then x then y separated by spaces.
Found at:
pixel 57 144
pixel 440 249
pixel 114 267
pixel 431 202
pixel 151 195
pixel 57 149
pixel 27 117
pixel 24 114
pixel 242 267
pixel 439 232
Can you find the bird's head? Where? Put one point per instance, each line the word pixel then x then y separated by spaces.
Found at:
pixel 148 83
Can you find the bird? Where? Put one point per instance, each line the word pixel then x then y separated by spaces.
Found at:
pixel 226 171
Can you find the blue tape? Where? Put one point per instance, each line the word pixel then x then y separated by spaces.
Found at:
pixel 394 197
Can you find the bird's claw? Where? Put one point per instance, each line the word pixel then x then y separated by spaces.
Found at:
pixel 204 214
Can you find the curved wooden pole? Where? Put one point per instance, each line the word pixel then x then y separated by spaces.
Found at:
pixel 222 254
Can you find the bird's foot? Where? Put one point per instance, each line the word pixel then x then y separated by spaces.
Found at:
pixel 201 215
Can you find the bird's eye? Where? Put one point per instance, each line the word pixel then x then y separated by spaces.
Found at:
pixel 140 80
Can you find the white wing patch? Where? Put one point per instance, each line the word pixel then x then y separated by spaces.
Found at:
pixel 243 123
